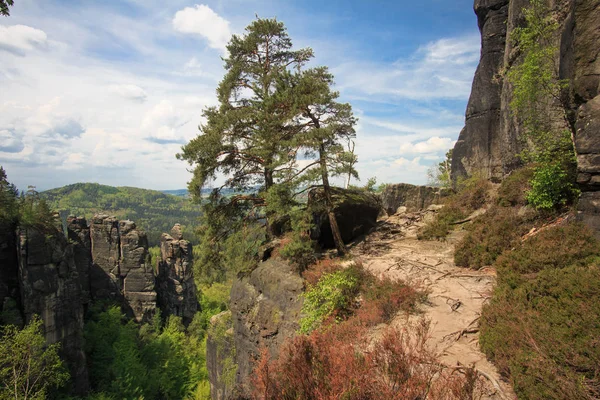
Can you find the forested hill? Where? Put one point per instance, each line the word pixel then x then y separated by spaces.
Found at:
pixel 153 211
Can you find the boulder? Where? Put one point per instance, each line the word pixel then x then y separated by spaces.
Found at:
pixel 410 197
pixel 355 210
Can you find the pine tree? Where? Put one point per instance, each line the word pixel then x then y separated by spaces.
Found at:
pixel 248 137
pixel 327 124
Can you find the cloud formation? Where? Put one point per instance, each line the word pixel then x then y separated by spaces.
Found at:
pixel 131 92
pixel 18 39
pixel 203 21
pixel 438 70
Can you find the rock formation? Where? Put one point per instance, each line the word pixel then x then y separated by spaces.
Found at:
pixel 356 212
pixel 414 198
pixel 78 234
pixel 136 272
pixel 175 280
pixel 10 295
pixel 120 266
pixel 489 142
pixel 50 288
pixel 265 309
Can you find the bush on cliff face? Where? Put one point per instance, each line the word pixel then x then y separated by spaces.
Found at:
pixel 541 325
pixel 28 367
pixel 547 137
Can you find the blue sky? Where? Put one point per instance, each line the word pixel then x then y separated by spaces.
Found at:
pixel 108 91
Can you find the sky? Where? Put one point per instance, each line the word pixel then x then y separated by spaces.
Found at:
pixel 108 91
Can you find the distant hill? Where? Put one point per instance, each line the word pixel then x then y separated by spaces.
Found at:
pixel 153 211
pixel 177 192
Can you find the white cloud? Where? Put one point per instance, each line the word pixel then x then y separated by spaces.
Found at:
pixel 129 91
pixel 202 20
pixel 438 70
pixel 162 123
pixel 18 39
pixel 432 145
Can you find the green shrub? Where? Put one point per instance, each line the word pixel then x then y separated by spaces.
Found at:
pixel 551 187
pixel 334 293
pixel 299 249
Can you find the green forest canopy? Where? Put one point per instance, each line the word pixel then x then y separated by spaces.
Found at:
pixel 153 211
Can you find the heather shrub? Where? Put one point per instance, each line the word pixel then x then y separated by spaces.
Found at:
pixel 492 233
pixel 336 294
pixel 327 365
pixel 541 326
pixel 554 247
pixel 471 195
pixel 513 190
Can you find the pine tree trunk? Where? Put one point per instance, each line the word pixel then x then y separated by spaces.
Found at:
pixel 269 215
pixel 335 229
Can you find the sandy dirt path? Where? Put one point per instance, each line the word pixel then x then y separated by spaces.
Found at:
pixel 455 295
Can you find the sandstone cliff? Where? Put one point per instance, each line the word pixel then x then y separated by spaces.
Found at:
pixel 175 280
pixel 489 142
pixel 45 273
pixel 50 288
pixel 265 310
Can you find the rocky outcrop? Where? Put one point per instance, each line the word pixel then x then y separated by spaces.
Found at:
pixel 121 268
pixel 175 279
pixel 490 140
pixel 265 307
pixel 136 272
pixel 50 288
pixel 483 144
pixel 355 210
pixel 414 198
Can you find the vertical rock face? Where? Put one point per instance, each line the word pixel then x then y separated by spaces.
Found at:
pixel 104 275
pixel 478 147
pixel 220 357
pixel 78 234
pixel 586 83
pixel 50 288
pixel 121 269
pixel 489 142
pixel 175 280
pixel 135 272
pixel 10 296
pixel 265 309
